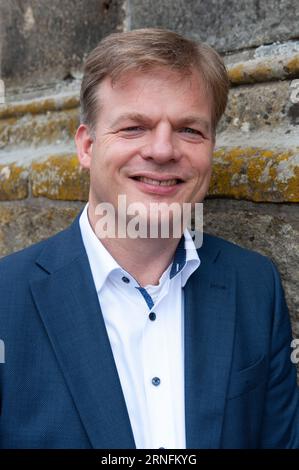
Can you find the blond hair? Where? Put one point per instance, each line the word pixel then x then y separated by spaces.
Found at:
pixel 143 50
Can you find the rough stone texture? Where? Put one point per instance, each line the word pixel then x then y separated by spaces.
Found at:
pixel 271 229
pixel 60 177
pixel 46 41
pixel 227 25
pixel 260 107
pixel 51 127
pixel 35 121
pixel 26 222
pixel 13 182
pixel 256 174
pixel 281 50
pixel 264 69
pixel 40 105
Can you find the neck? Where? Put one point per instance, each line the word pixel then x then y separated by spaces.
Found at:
pixel 144 258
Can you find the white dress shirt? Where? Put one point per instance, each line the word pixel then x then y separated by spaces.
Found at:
pixel 145 327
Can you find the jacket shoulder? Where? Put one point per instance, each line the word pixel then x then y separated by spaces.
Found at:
pixel 231 252
pixel 250 265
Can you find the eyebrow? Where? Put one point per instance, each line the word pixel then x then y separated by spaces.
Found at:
pixel 182 122
pixel 131 117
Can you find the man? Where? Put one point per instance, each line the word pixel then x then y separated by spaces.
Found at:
pixel 124 342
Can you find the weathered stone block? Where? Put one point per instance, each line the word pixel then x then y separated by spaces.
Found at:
pixel 40 129
pixel 259 108
pixel 26 222
pixel 256 174
pixel 13 182
pixel 45 41
pixel 60 177
pixel 37 105
pixel 264 69
pixel 227 25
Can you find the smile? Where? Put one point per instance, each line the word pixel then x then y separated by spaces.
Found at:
pixel 153 182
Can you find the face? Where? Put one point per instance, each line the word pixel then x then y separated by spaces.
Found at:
pixel 153 140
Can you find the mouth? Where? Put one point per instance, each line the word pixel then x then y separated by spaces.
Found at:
pixel 158 182
pixel 158 185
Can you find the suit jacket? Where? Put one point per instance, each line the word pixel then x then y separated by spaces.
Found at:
pixel 59 386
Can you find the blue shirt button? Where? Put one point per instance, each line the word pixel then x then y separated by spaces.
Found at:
pixel 152 316
pixel 156 381
pixel 125 279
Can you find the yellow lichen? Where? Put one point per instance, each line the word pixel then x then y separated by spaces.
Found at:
pixel 38 106
pixel 293 65
pixel 13 182
pixel 35 130
pixel 236 73
pixel 261 73
pixel 252 173
pixel 60 177
pixel 263 70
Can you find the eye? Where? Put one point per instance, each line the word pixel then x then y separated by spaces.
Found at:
pixel 192 135
pixel 132 129
pixel 189 130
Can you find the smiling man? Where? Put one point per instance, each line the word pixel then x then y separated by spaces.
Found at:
pixel 145 342
pixel 152 142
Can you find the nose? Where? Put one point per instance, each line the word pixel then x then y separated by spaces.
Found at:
pixel 161 145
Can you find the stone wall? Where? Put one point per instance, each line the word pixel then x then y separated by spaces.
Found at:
pixel 42 42
pixel 254 195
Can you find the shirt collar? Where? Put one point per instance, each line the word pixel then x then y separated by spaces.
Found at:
pixel 101 261
pixel 187 257
pixel 185 262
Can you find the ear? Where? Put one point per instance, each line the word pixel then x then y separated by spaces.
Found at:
pixel 84 143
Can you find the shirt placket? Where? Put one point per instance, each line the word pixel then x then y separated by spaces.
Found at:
pixel 156 375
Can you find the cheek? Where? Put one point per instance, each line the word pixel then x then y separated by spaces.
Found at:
pixel 102 162
pixel 119 154
pixel 203 167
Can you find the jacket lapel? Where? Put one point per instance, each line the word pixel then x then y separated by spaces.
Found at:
pixel 68 304
pixel 209 335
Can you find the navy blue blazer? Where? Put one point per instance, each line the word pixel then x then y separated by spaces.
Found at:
pixel 59 386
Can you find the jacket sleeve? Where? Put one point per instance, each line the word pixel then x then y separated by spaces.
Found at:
pixel 280 428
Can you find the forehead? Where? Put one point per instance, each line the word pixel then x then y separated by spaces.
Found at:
pixel 159 86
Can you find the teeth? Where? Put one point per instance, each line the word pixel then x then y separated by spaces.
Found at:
pixel 157 182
